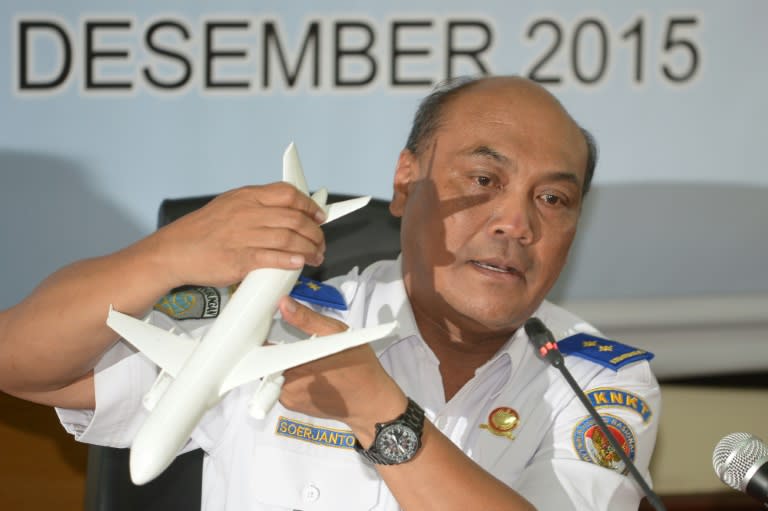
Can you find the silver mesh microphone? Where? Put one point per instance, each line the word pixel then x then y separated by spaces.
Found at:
pixel 738 458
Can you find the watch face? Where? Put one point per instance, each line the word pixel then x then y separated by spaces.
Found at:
pixel 397 443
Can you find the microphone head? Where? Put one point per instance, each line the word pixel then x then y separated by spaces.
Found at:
pixel 543 340
pixel 537 332
pixel 735 455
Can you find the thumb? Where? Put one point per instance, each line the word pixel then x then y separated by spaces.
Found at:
pixel 308 320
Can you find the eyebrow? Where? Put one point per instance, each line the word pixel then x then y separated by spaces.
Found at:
pixel 488 152
pixel 564 176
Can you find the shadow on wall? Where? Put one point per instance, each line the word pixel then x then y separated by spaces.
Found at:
pixel 51 217
pixel 644 240
pixel 668 239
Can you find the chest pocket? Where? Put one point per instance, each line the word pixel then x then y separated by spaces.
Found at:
pixel 310 481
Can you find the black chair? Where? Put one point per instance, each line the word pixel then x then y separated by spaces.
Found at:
pixel 358 239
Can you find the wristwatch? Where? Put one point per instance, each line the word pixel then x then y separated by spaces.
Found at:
pixel 396 441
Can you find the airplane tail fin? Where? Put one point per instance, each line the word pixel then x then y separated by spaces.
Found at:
pixel 294 174
pixel 292 170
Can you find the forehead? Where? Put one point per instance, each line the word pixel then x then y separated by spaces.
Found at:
pixel 518 119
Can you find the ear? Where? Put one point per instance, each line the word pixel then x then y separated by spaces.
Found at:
pixel 406 173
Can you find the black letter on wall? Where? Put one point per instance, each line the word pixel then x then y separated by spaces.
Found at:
pixel 24 28
pixel 210 54
pixel 361 52
pixel 91 55
pixel 473 53
pixel 312 36
pixel 149 39
pixel 397 52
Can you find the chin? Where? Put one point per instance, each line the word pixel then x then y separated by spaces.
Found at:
pixel 493 318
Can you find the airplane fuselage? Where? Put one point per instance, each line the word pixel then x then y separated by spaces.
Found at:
pixel 243 324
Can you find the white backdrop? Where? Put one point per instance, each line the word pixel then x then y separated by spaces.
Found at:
pixel 107 108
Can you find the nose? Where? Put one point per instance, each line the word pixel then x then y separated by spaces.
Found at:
pixel 514 217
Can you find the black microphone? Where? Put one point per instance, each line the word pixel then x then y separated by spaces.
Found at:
pixel 546 345
pixel 741 461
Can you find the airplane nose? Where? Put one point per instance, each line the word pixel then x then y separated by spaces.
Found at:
pixel 146 462
pixel 143 470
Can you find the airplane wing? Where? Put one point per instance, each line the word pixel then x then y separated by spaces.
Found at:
pixel 264 360
pixel 164 348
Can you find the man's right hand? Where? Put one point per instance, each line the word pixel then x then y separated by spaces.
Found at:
pixel 274 226
pixel 52 339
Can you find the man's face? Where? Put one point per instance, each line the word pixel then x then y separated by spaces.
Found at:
pixel 490 207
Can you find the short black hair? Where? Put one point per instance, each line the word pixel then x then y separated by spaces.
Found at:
pixel 427 119
pixel 427 116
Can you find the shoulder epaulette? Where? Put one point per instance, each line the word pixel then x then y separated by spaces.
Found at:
pixel 610 354
pixel 318 293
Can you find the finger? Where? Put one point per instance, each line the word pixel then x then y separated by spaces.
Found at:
pixel 266 258
pixel 307 320
pixel 287 195
pixel 284 240
pixel 254 258
pixel 288 219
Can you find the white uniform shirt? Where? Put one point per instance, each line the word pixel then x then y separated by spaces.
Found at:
pixel 290 461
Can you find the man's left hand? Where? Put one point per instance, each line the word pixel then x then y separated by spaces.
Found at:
pixel 350 386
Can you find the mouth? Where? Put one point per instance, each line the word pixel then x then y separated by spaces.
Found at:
pixel 495 267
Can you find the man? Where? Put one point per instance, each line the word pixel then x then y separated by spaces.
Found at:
pixel 489 188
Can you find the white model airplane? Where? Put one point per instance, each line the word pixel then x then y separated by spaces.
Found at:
pixel 196 374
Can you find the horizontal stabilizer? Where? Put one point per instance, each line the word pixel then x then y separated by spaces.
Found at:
pixel 167 350
pixel 321 198
pixel 339 209
pixel 264 360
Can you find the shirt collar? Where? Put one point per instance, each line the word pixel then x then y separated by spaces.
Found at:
pixel 389 301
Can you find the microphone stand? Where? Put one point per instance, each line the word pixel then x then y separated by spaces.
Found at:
pixel 543 339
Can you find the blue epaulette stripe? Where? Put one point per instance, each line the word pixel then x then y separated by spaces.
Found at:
pixel 318 293
pixel 605 352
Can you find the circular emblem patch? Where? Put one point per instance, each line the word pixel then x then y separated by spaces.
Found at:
pixel 502 421
pixel 191 303
pixel 592 445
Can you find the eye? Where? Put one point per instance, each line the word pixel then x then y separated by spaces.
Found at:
pixel 483 181
pixel 552 199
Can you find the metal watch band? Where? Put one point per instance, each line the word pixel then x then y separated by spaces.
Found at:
pixel 413 418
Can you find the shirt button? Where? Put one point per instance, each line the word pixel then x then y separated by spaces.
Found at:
pixel 310 493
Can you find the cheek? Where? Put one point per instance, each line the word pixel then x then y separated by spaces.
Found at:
pixel 462 225
pixel 457 236
pixel 424 243
pixel 555 248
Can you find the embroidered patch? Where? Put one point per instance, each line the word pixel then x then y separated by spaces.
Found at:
pixel 609 397
pixel 194 302
pixel 610 354
pixel 315 434
pixel 318 293
pixel 593 446
pixel 502 421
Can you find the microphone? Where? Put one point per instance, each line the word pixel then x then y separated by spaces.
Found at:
pixel 741 461
pixel 545 343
